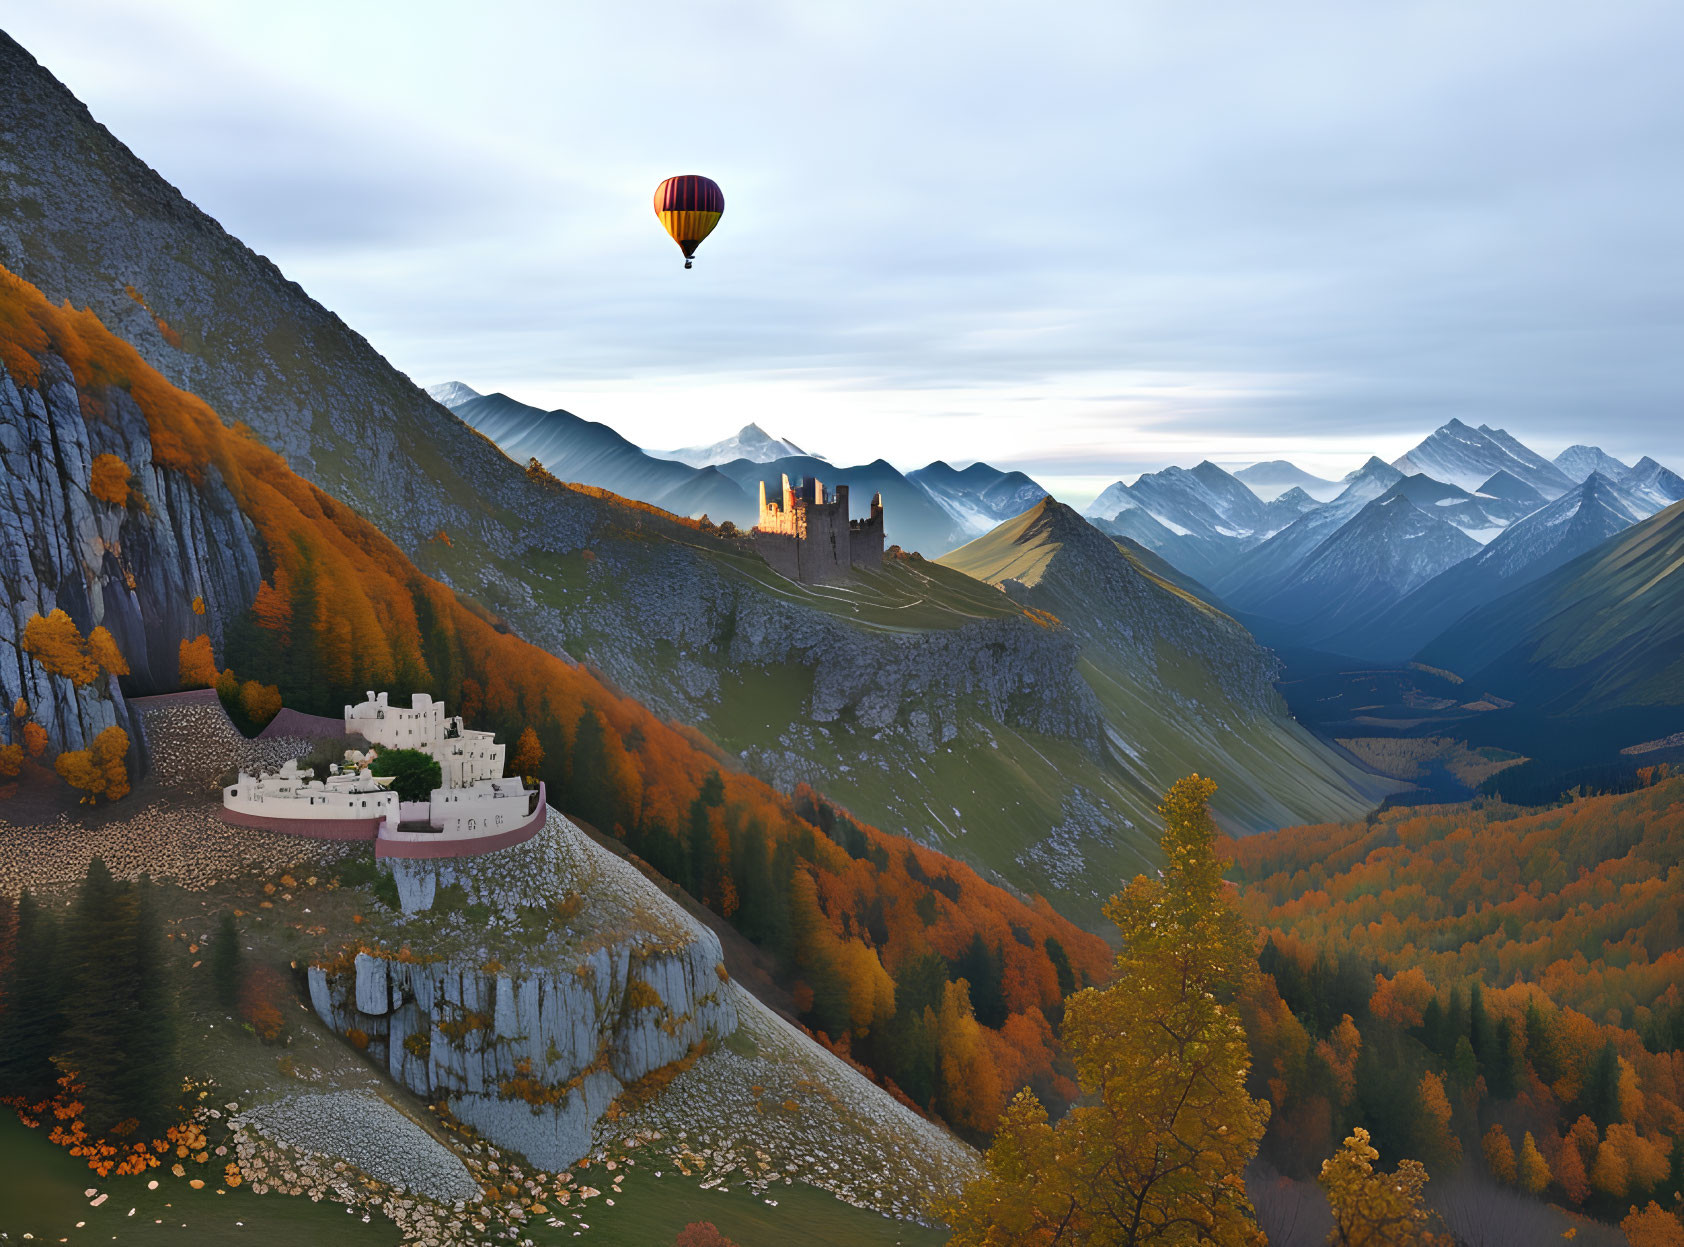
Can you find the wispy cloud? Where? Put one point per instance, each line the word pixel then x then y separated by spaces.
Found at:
pixel 1085 237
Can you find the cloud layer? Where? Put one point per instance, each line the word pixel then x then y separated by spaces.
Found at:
pixel 1082 239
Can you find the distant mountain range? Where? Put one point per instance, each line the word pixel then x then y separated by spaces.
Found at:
pixel 1376 565
pixel 1579 520
pixel 581 450
pixel 1373 566
pixel 930 510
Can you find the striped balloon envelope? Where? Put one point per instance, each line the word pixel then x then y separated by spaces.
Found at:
pixel 689 206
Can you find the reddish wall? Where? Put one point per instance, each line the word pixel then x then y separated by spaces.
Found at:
pixel 314 828
pixel 440 847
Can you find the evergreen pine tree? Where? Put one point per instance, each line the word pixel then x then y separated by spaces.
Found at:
pixel 1061 965
pixel 149 1090
pixel 1541 1048
pixel 100 1007
pixel 982 966
pixel 589 794
pixel 1602 1088
pixel 1464 1066
pixel 711 796
pixel 225 961
pixel 751 862
pixel 32 1021
pixel 1505 1069
pixel 1455 1018
pixel 1480 1033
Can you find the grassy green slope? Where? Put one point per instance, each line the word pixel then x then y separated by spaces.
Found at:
pixel 1184 688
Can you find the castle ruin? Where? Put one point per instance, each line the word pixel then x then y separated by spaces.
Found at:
pixel 808 537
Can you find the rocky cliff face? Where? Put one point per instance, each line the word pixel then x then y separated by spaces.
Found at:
pixel 919 687
pixel 134 569
pixel 528 1026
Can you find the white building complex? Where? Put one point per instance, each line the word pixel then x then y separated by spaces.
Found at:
pixel 348 805
pixel 463 755
pixel 475 811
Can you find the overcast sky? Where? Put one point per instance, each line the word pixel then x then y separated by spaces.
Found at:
pixel 1083 240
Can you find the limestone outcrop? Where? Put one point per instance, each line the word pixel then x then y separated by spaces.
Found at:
pixel 527 1028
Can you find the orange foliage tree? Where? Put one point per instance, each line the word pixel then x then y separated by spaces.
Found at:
pixel 262 995
pixel 101 770
pixel 1653 1226
pixel 528 757
pixel 58 645
pixel 102 648
pixel 197 663
pixel 109 481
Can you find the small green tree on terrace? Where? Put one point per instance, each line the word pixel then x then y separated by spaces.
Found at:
pixel 414 774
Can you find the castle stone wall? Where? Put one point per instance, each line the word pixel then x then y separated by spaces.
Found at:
pixel 808 538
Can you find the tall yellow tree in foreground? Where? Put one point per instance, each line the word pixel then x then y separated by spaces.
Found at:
pixel 1154 1149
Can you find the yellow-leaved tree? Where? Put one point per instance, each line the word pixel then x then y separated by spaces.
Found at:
pixel 1533 1172
pixel 1154 1148
pixel 1376 1209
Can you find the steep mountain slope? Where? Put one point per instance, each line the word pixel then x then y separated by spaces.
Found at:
pixel 1467 456
pixel 1660 485
pixel 750 442
pixel 912 519
pixel 580 450
pixel 1272 478
pixel 1287 507
pixel 1201 558
pixel 1164 708
pixel 1578 462
pixel 1481 519
pixel 1576 522
pixel 1388 549
pixel 340 606
pixel 980 496
pixel 1256 576
pixel 1510 488
pixel 1203 500
pixel 1604 632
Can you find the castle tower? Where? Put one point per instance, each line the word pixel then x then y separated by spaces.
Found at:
pixel 811 538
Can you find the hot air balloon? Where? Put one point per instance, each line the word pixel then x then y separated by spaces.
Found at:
pixel 689 206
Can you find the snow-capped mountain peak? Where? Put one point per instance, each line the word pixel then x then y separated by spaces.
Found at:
pixel 1578 462
pixel 1113 500
pixel 452 394
pixel 1661 486
pixel 1467 457
pixel 751 442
